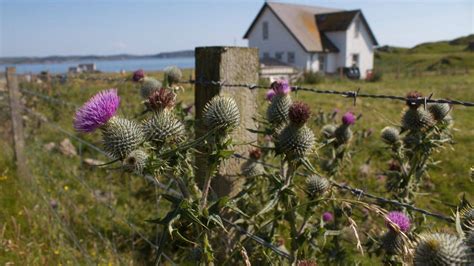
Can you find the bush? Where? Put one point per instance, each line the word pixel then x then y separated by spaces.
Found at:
pixel 312 78
pixel 374 76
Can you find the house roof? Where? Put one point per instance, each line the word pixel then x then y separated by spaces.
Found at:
pixel 301 22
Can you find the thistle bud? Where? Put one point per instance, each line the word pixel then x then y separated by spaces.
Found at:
pixel 173 75
pixel 121 136
pixel 136 161
pixel 390 135
pixel 149 85
pixel 299 113
pixel 439 110
pixel 316 186
pixel 138 75
pixel 161 99
pixel 412 98
pixel 163 127
pixel 328 131
pixel 417 119
pixel 441 249
pixel 221 112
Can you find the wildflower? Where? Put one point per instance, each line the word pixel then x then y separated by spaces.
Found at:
pixel 439 110
pixel 328 217
pixel 299 113
pixel 97 111
pixel 343 132
pixel 138 75
pixel 270 94
pixel 163 127
pixel 390 135
pixel 281 87
pixel 136 161
pixel 441 249
pixel 411 99
pixel 173 75
pixel 400 219
pixel 149 85
pixel 348 118
pixel 161 99
pixel 316 186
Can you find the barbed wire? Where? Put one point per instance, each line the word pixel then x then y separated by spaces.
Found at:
pixel 350 94
pixel 360 193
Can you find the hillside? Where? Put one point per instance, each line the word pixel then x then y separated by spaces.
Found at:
pixel 449 55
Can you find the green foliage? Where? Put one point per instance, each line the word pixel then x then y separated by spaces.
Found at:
pixel 312 78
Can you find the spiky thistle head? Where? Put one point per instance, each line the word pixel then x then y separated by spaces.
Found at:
pixel 255 154
pixel 328 217
pixel 299 113
pixel 121 136
pixel 441 249
pixel 316 186
pixel 390 135
pixel 173 75
pixel 348 119
pixel 343 134
pixel 411 99
pixel 149 85
pixel 270 94
pixel 328 131
pixel 136 161
pixel 163 127
pixel 439 110
pixel 295 142
pixel 399 219
pixel 393 242
pixel 252 168
pixel 97 111
pixel 281 87
pixel 138 75
pixel 277 112
pixel 221 112
pixel 417 119
pixel 161 99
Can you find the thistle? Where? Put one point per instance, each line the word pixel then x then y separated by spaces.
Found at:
pixel 390 135
pixel 138 75
pixel 441 249
pixel 296 140
pixel 316 186
pixel 396 222
pixel 221 112
pixel 252 167
pixel 400 220
pixel 161 99
pixel 343 132
pixel 97 111
pixel 439 110
pixel 173 75
pixel 121 136
pixel 136 161
pixel 328 131
pixel 467 218
pixel 163 127
pixel 414 118
pixel 269 95
pixel 277 112
pixel 328 217
pixel 149 85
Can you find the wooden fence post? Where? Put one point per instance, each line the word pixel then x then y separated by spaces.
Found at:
pixel 17 124
pixel 232 65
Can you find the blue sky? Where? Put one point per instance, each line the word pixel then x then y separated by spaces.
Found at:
pixel 46 27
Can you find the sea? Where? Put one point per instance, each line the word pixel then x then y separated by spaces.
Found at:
pixel 109 66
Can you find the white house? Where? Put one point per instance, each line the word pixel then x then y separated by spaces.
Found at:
pixel 313 39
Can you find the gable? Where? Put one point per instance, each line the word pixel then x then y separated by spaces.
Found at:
pixel 307 24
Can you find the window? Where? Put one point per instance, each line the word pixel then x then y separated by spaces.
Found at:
pixel 355 60
pixel 265 30
pixel 266 55
pixel 291 57
pixel 357 28
pixel 279 55
pixel 322 62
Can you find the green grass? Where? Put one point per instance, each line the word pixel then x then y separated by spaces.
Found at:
pixel 34 234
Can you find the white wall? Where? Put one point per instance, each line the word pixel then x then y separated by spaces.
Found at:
pixel 279 40
pixel 361 45
pixel 339 39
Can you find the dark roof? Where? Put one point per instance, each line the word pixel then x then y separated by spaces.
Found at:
pixel 338 21
pixel 299 20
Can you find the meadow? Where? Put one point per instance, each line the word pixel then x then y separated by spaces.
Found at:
pixel 80 214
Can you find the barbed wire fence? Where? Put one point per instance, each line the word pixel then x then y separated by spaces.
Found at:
pixel 359 193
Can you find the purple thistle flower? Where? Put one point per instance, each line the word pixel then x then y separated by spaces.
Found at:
pixel 138 75
pixel 299 113
pixel 328 217
pixel 281 87
pixel 97 111
pixel 348 118
pixel 400 219
pixel 270 94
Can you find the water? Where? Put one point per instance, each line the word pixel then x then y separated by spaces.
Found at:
pixel 149 64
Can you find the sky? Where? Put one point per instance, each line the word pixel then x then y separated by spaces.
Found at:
pixel 103 27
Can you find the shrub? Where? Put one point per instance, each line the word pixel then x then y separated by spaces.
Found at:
pixel 312 78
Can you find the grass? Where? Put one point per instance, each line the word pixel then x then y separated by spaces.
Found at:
pixel 34 231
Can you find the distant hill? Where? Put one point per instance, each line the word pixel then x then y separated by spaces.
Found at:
pixel 431 56
pixel 61 59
